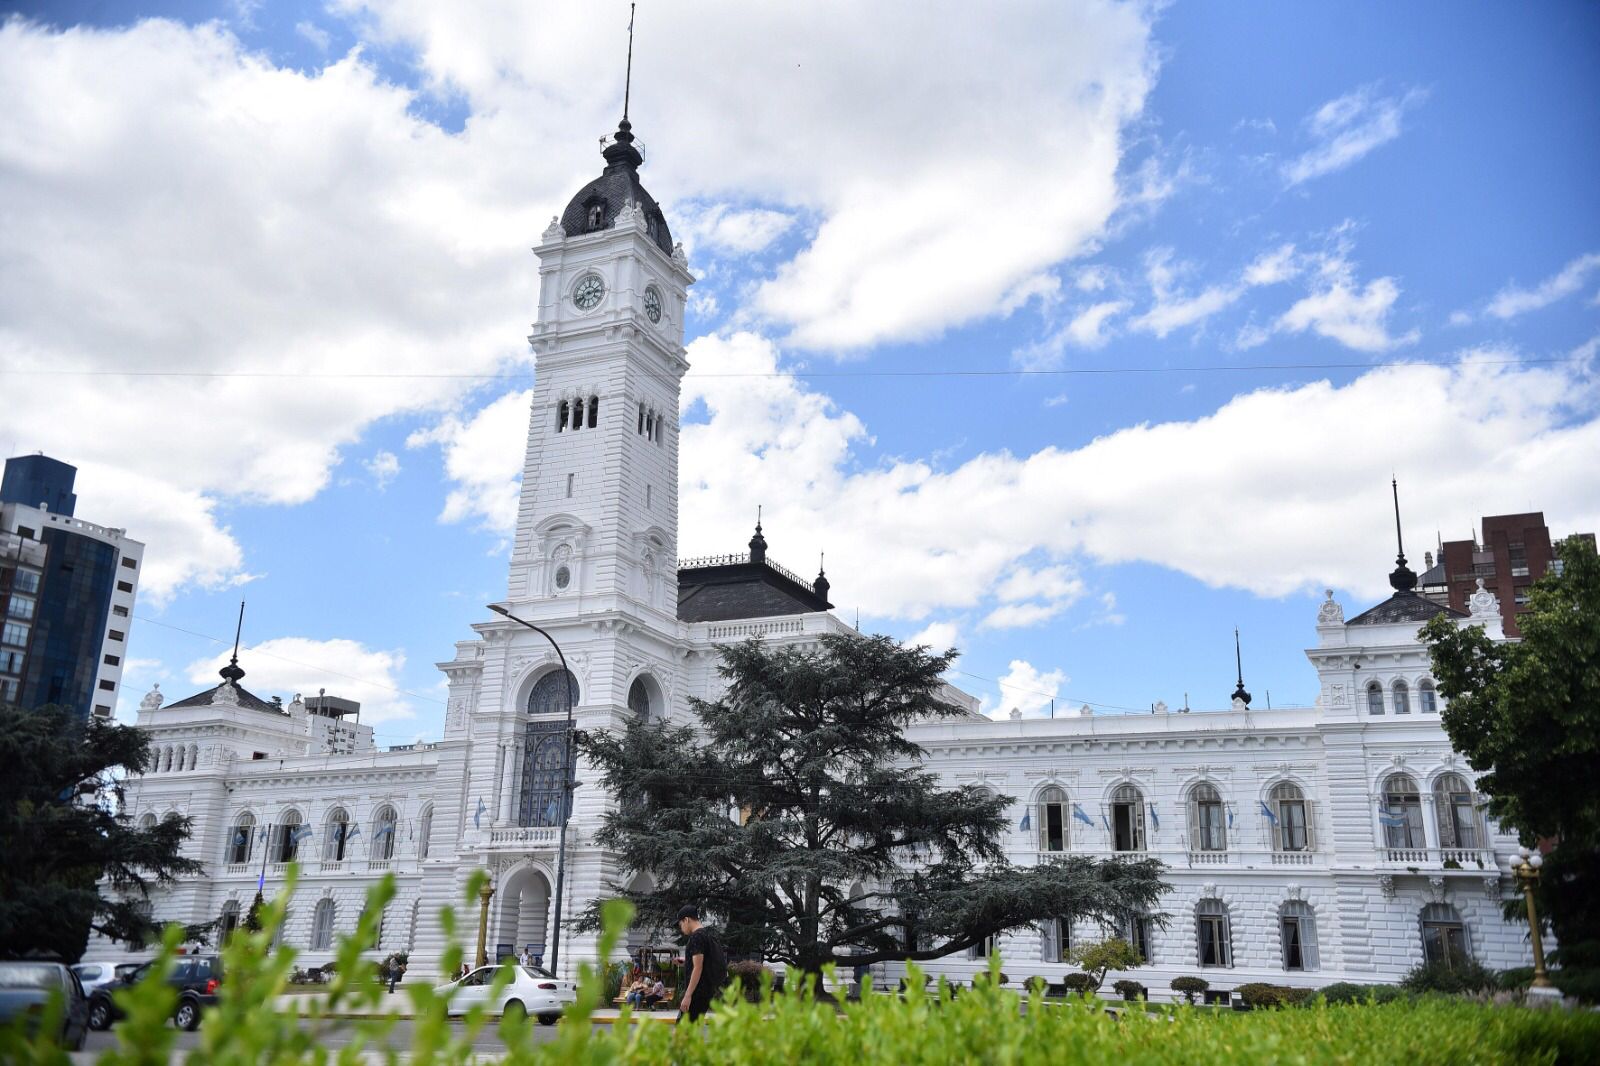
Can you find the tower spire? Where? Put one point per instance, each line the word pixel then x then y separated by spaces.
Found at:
pixel 627 84
pixel 1239 693
pixel 1402 578
pixel 233 671
pixel 758 543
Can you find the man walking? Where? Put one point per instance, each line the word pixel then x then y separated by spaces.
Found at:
pixel 704 962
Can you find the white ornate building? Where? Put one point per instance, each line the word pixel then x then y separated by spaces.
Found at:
pixel 1306 845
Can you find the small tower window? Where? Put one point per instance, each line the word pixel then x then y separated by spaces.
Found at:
pixel 650 425
pixel 1374 698
pixel 641 420
pixel 594 411
pixel 577 414
pixel 597 215
pixel 571 479
pixel 647 495
pixel 659 423
pixel 561 416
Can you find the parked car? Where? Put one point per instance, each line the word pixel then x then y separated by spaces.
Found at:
pixel 26 988
pixel 93 975
pixel 531 990
pixel 196 977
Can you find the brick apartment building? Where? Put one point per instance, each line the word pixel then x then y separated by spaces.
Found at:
pixel 1515 551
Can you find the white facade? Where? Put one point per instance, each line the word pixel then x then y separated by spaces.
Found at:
pixel 594 564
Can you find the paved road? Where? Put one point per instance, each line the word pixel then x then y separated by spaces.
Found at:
pixel 488 1041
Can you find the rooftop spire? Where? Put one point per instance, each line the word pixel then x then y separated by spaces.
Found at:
pixel 1402 579
pixel 758 543
pixel 821 586
pixel 233 671
pixel 1238 661
pixel 627 84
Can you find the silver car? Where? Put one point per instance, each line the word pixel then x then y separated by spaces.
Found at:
pixel 25 992
pixel 530 990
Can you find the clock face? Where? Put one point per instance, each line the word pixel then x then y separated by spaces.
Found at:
pixel 652 304
pixel 589 292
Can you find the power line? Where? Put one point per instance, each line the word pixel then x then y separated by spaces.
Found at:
pixel 1005 372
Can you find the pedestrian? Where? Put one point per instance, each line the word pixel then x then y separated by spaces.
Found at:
pixel 397 970
pixel 705 963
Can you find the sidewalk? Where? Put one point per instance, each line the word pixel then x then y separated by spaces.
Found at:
pixel 398 1006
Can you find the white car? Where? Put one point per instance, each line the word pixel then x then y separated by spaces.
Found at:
pixel 531 990
pixel 93 975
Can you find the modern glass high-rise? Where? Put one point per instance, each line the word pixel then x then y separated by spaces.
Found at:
pixel 67 590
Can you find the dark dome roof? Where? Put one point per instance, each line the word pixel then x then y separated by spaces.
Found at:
pixel 616 185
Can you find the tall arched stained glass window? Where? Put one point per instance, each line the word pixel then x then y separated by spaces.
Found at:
pixel 547 697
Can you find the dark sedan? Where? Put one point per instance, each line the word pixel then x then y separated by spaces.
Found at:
pixel 26 989
pixel 196 977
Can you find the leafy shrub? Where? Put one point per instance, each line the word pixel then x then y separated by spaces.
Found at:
pixel 1102 955
pixel 1129 990
pixel 1344 992
pixel 747 976
pixel 1190 987
pixel 1259 994
pixel 1298 997
pixel 1078 983
pixel 982 1026
pixel 1582 984
pixel 1453 978
pixel 982 978
pixel 1037 984
pixel 1515 978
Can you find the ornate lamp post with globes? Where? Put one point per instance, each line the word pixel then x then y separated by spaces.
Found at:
pixel 1527 874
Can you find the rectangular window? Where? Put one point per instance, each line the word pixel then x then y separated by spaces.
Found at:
pixel 1292 825
pixel 115 634
pixel 1063 939
pixel 112 660
pixel 9 689
pixel 107 686
pixel 26 533
pixel 25 581
pixel 1214 940
pixel 124 586
pixel 14 633
pixel 1444 942
pixel 1137 933
pixel 1294 955
pixel 120 611
pixel 571 479
pixel 982 949
pixel 20 607
pixel 102 710
pixel 647 495
pixel 10 662
pixel 130 562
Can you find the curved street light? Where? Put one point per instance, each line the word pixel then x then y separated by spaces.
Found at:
pixel 566 783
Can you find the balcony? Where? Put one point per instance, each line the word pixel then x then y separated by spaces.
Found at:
pixel 235 869
pixel 1209 858
pixel 1474 859
pixel 1291 858
pixel 523 836
pixel 330 866
pixel 379 865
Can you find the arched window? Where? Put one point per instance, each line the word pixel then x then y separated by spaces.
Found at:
pixel 561 416
pixel 1402 698
pixel 241 839
pixel 322 925
pixel 147 822
pixel 1402 813
pixel 288 837
pixel 594 411
pixel 1127 819
pixel 1052 819
pixel 1374 698
pixel 1457 813
pixel 336 842
pixel 1214 938
pixel 383 825
pixel 164 761
pixel 544 775
pixel 660 429
pixel 1297 929
pixel 424 831
pixel 228 921
pixel 1207 819
pixel 1428 697
pixel 1444 936
pixel 639 699
pixel 641 420
pixel 548 696
pixel 181 757
pixel 1293 814
pixel 597 215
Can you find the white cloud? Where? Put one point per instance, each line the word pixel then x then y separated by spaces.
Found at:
pixel 1088 329
pixel 722 228
pixel 1356 317
pixel 1025 688
pixel 845 134
pixel 1512 301
pixel 285 666
pixel 1050 582
pixel 1173 310
pixel 383 468
pixel 1021 615
pixel 907 538
pixel 483 455
pixel 313 33
pixel 937 636
pixel 1346 128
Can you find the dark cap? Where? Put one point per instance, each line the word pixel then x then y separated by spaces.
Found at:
pixel 691 911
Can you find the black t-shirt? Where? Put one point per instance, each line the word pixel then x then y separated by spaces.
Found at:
pixel 713 971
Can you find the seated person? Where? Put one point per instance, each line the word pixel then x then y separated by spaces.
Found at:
pixel 656 994
pixel 634 992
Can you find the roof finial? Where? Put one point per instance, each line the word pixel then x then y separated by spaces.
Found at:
pixel 821 585
pixel 233 671
pixel 1238 661
pixel 1402 579
pixel 758 543
pixel 627 85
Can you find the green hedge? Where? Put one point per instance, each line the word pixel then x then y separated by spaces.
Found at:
pixel 983 1026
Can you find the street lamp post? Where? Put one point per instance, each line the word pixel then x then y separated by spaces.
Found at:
pixel 483 923
pixel 566 783
pixel 1527 874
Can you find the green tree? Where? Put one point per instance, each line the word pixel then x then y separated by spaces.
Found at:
pixel 1526 715
pixel 798 814
pixel 61 833
pixel 1102 955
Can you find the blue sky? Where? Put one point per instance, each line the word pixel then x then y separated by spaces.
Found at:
pixel 1222 271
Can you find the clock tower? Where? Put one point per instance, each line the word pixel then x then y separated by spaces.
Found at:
pixel 597 523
